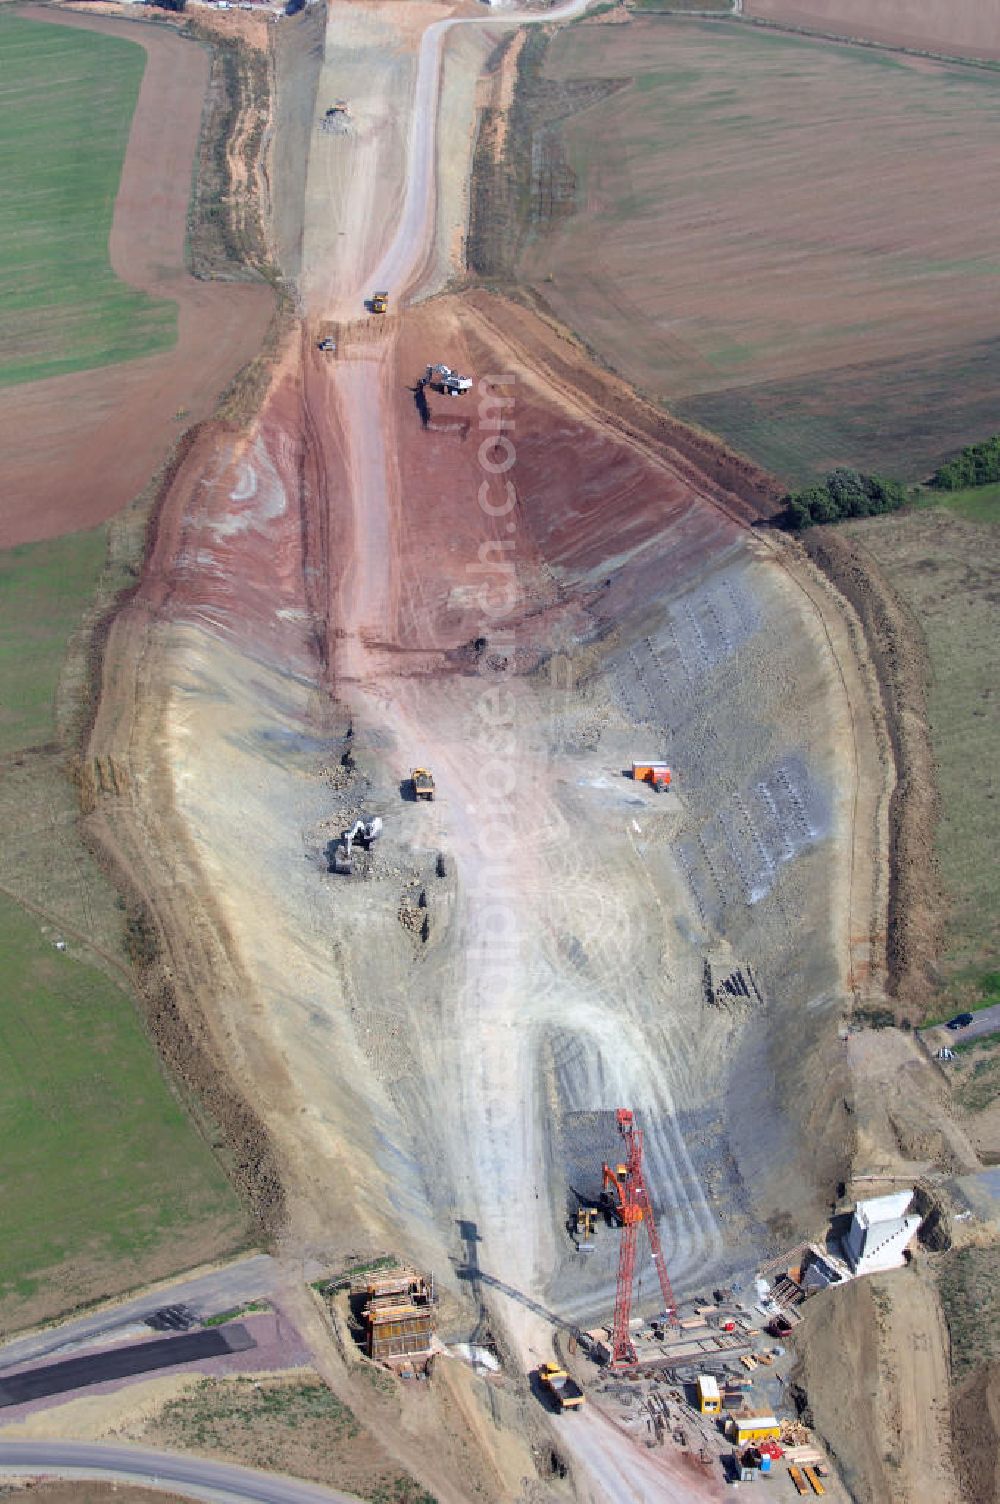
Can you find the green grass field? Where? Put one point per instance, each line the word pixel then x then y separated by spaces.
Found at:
pixel 68 98
pixel 44 590
pixel 104 1182
pixel 977 504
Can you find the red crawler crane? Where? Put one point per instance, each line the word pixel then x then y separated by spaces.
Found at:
pixel 625 1188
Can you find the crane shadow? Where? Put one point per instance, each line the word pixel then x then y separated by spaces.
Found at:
pixel 421 403
pixel 472 1272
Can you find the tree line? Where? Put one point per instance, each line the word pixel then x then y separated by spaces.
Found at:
pixel 977 465
pixel 844 493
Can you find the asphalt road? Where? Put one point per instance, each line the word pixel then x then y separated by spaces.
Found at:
pixel 217 1482
pixel 245 1279
pixel 123 1362
pixel 986 1021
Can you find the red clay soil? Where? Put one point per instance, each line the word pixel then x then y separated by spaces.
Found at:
pixel 230 544
pixel 590 489
pixel 246 535
pixel 78 448
pixel 952 28
pixel 599 478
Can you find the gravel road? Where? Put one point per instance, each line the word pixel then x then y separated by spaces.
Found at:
pixel 410 246
pixel 986 1021
pixel 218 1482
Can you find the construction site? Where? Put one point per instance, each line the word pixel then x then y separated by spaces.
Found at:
pixel 644 732
pixel 513 802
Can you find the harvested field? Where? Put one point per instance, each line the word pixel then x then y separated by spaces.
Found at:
pixel 832 292
pixel 55 469
pixel 957 28
pixel 63 307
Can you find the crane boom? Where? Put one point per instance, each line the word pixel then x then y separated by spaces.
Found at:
pixel 632 1204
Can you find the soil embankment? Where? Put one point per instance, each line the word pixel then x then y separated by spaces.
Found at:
pixel 915 899
pixel 976 1428
pixel 874 1366
pixel 78 448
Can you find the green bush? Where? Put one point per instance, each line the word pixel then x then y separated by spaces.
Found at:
pixel 977 465
pixel 844 493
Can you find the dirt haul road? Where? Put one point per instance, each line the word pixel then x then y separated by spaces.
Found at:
pixel 493 824
pixel 522 592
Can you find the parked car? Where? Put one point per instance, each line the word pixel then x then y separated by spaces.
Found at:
pixel 960 1021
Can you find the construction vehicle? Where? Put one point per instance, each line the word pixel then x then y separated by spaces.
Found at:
pixel 657 774
pixel 584 1228
pixel 364 832
pixel 444 379
pixel 379 302
pixel 327 344
pixel 565 1391
pixel 625 1189
pixel 423 783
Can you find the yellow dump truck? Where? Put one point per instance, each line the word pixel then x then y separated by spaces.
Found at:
pixel 423 783
pixel 380 302
pixel 556 1381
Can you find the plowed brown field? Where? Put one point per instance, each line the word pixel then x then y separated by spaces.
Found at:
pixel 957 28
pixel 78 448
pixel 791 242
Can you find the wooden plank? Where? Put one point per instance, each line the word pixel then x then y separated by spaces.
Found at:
pixel 798 1480
pixel 814 1480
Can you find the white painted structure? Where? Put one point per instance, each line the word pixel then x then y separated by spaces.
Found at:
pixel 880 1232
